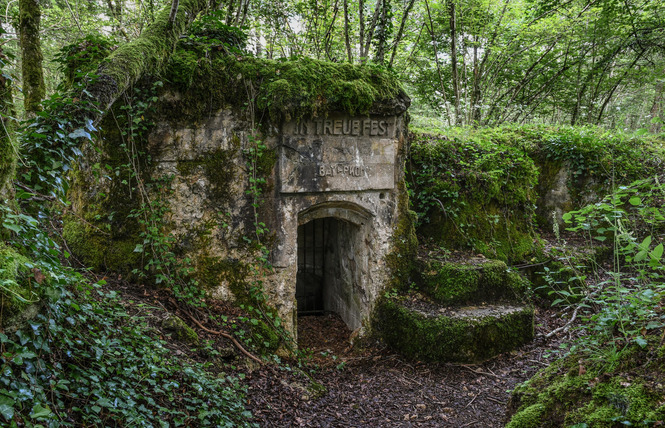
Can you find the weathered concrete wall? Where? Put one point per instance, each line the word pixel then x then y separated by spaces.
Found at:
pixel 340 167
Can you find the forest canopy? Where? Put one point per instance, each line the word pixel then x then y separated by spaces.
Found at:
pixel 478 62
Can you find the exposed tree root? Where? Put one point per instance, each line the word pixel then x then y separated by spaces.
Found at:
pixel 223 334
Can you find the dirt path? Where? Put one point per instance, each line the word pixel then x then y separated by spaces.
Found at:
pixel 377 388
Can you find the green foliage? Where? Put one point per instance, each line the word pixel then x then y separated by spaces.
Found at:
pixel 210 31
pixel 51 141
pixel 623 309
pixel 503 172
pixel 86 360
pixel 473 193
pixel 81 58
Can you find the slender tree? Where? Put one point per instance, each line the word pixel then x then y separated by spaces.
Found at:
pixel 31 55
pixel 8 149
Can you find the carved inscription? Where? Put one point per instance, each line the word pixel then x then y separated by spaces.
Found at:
pixel 338 154
pixel 339 169
pixel 346 126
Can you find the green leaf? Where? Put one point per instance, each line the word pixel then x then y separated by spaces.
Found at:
pixel 635 200
pixel 40 412
pixel 653 324
pixel 6 407
pixel 138 248
pixel 11 226
pixel 641 341
pixel 657 252
pixel 80 133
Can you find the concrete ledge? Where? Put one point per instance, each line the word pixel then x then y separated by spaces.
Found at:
pixel 421 330
pixel 477 281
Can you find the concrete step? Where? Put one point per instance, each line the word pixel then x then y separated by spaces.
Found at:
pixel 424 330
pixel 475 281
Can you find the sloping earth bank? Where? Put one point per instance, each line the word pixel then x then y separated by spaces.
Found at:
pixel 345 387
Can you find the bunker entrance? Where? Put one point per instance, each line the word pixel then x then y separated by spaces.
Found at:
pixel 327 279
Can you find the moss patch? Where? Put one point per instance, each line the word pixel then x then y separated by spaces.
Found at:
pixel 451 283
pixel 564 395
pixel 401 259
pixel 181 330
pixel 482 189
pixel 99 250
pixel 212 272
pixel 16 289
pixel 279 90
pixel 218 167
pixel 474 194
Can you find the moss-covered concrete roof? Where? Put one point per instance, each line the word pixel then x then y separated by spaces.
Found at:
pixel 283 89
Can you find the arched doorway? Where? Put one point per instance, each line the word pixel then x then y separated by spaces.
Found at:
pixel 332 260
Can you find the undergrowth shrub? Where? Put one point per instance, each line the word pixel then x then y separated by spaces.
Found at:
pixel 626 304
pixel 85 360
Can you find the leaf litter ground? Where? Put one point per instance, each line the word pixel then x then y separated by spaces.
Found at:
pixel 374 387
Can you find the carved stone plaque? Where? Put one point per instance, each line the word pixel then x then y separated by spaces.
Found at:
pixel 338 154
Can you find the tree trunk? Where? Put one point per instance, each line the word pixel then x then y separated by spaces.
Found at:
pixel 400 32
pixel 453 59
pixel 369 35
pixel 382 33
pixel 149 52
pixel 31 55
pixel 657 108
pixel 361 31
pixel 347 39
pixel 8 147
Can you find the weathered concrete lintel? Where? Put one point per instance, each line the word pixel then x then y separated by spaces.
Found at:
pixel 337 209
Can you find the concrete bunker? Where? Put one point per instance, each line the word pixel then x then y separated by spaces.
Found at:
pixel 332 200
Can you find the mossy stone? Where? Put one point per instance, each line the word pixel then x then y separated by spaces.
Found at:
pixel 630 393
pixel 452 338
pixel 17 293
pixel 279 90
pixel 451 283
pixel 98 250
pixel 181 330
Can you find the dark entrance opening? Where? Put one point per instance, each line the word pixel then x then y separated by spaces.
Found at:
pixel 328 278
pixel 311 266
